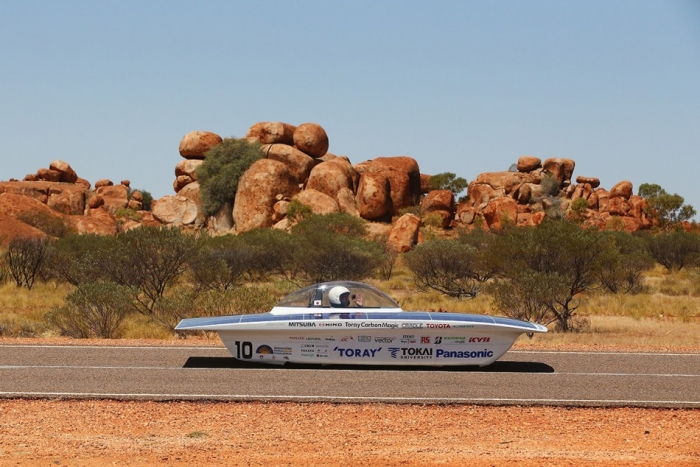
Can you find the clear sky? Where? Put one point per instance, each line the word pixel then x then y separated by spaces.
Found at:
pixel 111 87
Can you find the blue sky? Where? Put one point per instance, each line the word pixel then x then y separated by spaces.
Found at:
pixel 461 86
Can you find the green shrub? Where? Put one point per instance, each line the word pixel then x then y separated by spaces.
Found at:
pixel 445 266
pixel 76 259
pixel 26 258
pixel 223 263
pixel 338 222
pixel 221 170
pixel 53 226
pixel 95 309
pixel 448 181
pixel 298 211
pixel 550 185
pixel 674 250
pixel 668 208
pixel 332 247
pixel 577 210
pixel 146 199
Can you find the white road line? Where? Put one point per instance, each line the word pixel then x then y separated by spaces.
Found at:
pixel 346 398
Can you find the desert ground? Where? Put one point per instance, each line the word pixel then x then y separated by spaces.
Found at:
pixel 136 433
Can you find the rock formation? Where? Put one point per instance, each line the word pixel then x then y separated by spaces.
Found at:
pixel 298 167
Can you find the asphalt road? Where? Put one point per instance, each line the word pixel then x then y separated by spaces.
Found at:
pixel 202 373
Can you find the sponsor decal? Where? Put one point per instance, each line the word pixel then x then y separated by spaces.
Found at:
pixel 462 325
pixel 442 353
pixel 307 346
pixel 364 324
pixel 425 339
pixel 297 338
pixel 265 349
pixel 411 353
pixel 330 325
pixel 412 325
pixel 308 354
pixel 409 339
pixel 329 339
pixel 451 340
pixel 302 324
pixel 437 326
pixel 364 338
pixel 313 339
pixel 384 340
pixel 479 339
pixel 357 353
pixel 347 338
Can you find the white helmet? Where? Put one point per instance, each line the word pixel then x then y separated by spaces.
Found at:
pixel 334 296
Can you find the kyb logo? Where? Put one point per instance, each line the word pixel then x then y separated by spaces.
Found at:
pixel 479 339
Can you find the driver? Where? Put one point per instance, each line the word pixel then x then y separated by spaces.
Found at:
pixel 339 297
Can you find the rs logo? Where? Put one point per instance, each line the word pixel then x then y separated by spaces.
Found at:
pixel 479 339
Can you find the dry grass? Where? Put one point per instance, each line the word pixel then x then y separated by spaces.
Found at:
pixel 666 316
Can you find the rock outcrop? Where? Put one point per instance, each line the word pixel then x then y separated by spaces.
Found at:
pixel 297 166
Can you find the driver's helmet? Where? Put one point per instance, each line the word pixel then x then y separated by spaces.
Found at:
pixel 339 297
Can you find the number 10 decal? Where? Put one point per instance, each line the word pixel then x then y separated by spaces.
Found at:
pixel 244 350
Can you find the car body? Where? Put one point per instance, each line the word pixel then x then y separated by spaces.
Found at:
pixel 305 327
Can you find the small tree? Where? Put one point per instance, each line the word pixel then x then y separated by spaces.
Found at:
pixel 565 258
pixel 674 250
pixel 95 309
pixel 223 167
pixel 77 259
pixel 332 247
pixel 25 258
pixel 151 260
pixel 448 181
pixel 668 208
pixel 222 263
pixel 624 273
pixel 445 266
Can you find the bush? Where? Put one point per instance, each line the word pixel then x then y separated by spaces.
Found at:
pixel 550 185
pixel 53 226
pixel 445 266
pixel 674 250
pixel 76 259
pixel 331 247
pixel 565 258
pixel 625 272
pixel 668 208
pixel 577 210
pixel 95 309
pixel 223 167
pixel 298 211
pixel 338 222
pixel 25 257
pixel 223 263
pixel 146 199
pixel 448 181
pixel 151 260
pixel 274 253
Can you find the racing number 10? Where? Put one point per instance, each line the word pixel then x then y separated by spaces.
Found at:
pixel 244 350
